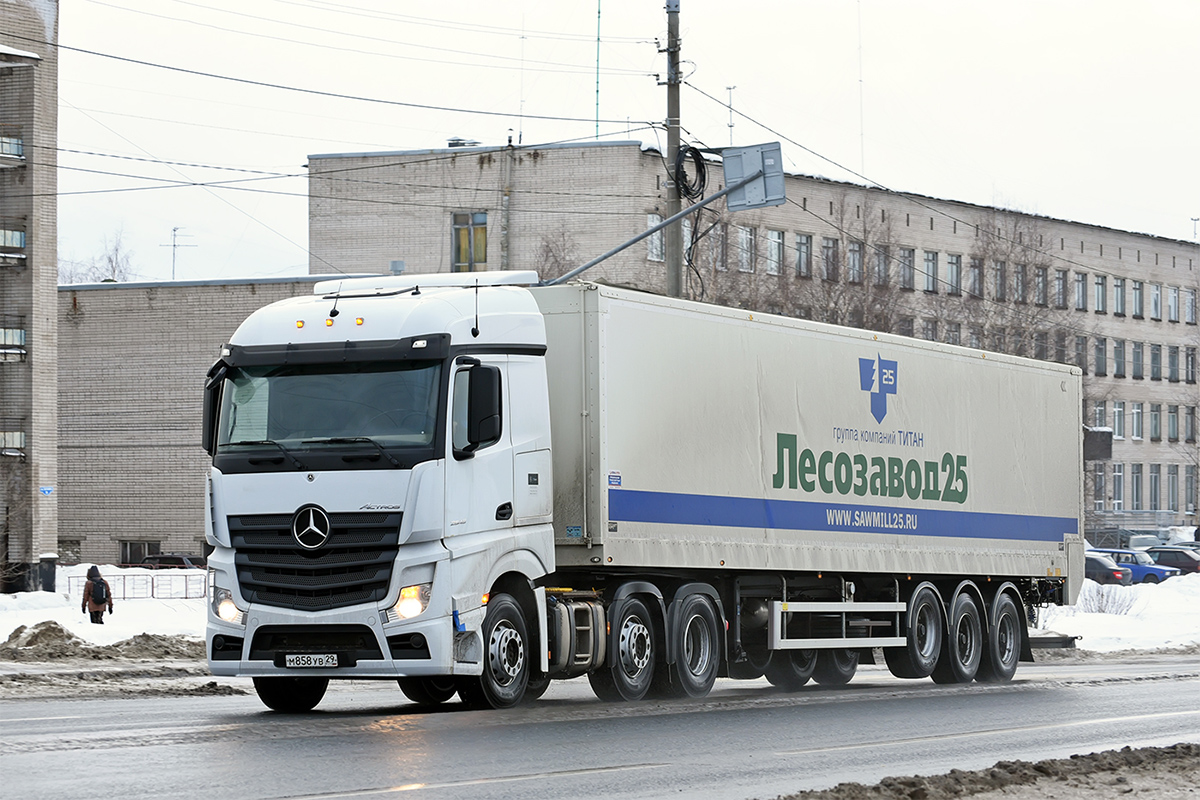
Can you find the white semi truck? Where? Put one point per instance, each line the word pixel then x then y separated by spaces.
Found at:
pixel 473 484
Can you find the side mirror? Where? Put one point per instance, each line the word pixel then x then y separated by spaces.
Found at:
pixel 483 407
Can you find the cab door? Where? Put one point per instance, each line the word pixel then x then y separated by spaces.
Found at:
pixel 479 479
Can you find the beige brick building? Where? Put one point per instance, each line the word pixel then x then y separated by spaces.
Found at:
pixel 1122 306
pixel 28 276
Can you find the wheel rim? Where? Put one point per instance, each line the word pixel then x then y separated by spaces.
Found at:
pixel 1006 640
pixel 966 643
pixel 697 645
pixel 924 631
pixel 634 646
pixel 506 653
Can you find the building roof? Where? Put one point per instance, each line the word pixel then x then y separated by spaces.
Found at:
pixel 14 53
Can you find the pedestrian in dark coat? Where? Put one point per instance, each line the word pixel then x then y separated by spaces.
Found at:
pixel 89 603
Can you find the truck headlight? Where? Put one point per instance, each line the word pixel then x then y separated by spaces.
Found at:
pixel 224 607
pixel 413 601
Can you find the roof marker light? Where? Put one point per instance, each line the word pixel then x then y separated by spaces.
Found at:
pixel 328 323
pixel 299 323
pixel 358 320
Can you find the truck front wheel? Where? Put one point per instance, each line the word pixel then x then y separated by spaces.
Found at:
pixel 632 669
pixel 291 695
pixel 505 658
pixel 428 691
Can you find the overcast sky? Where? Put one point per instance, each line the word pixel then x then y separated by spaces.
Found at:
pixel 1076 110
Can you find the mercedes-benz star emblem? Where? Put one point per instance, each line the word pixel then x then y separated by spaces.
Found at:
pixel 310 527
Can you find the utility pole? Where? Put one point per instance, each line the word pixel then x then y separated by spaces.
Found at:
pixel 175 245
pixel 674 233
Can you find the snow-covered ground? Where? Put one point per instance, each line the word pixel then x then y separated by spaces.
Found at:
pixel 1108 618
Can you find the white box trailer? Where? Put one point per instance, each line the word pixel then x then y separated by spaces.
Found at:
pixel 472 484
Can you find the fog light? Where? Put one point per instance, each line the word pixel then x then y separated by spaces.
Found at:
pixel 413 600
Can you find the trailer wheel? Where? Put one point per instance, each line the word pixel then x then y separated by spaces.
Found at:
pixel 697 652
pixel 835 667
pixel 791 669
pixel 505 658
pixel 428 691
pixel 290 695
pixel 962 646
pixel 1003 650
pixel 632 669
pixel 923 622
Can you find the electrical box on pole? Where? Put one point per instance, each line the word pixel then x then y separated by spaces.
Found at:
pixel 741 162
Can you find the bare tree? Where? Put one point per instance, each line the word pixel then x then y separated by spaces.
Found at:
pixel 112 264
pixel 558 253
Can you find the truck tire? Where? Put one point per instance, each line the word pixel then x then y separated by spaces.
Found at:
pixel 835 667
pixel 791 669
pixel 505 658
pixel 923 630
pixel 632 670
pixel 697 652
pixel 290 695
pixel 1003 641
pixel 537 686
pixel 428 691
pixel 962 646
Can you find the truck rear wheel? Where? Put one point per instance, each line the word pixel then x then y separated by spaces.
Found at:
pixel 1003 640
pixel 791 669
pixel 835 667
pixel 505 658
pixel 633 658
pixel 428 691
pixel 962 647
pixel 923 630
pixel 290 695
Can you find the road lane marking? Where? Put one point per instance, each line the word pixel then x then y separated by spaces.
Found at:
pixel 989 732
pixel 409 787
pixel 36 719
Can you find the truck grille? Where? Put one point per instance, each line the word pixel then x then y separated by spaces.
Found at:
pixel 354 566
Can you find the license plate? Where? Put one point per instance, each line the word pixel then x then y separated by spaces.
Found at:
pixel 308 660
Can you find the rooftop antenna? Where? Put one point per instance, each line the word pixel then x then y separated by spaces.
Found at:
pixel 333 312
pixel 1194 221
pixel 175 245
pixel 731 88
pixel 597 69
pixel 475 330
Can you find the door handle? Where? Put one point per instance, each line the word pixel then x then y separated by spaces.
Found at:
pixel 504 512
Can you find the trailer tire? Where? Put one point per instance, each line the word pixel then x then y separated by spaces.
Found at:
pixel 697 652
pixel 633 659
pixel 429 691
pixel 791 669
pixel 923 631
pixel 290 695
pixel 536 687
pixel 962 646
pixel 835 667
pixel 505 658
pixel 1003 650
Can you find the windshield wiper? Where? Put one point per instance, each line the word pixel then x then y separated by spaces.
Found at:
pixel 271 443
pixel 356 440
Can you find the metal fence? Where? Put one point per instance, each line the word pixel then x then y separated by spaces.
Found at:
pixel 176 583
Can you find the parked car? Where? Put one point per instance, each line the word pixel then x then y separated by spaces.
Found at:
pixel 174 560
pixel 1187 559
pixel 1143 567
pixel 1103 569
pixel 1142 541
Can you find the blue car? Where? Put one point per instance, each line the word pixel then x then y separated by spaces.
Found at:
pixel 1143 567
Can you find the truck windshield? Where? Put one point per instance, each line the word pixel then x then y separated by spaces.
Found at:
pixel 301 407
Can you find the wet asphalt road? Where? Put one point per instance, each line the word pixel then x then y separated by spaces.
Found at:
pixel 745 740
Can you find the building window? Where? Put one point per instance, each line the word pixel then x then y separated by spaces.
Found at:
pixel 803 255
pixel 931 271
pixel 1060 288
pixel 745 252
pixel 1039 286
pixel 1138 306
pixel 1189 364
pixel 829 259
pixel 953 275
pixel 1098 487
pixel 1172 304
pixel 1136 358
pixel 1118 419
pixel 134 552
pixel 904 326
pixel 1156 301
pixel 953 333
pixel 1101 293
pixel 1118 358
pixel 1135 487
pixel 12 239
pixel 1119 296
pixel 1041 345
pixel 1155 422
pixel 1081 290
pixel 1017 342
pixel 1155 485
pixel 1173 423
pixel 1189 489
pixel 1189 306
pixel 930 329
pixel 1099 414
pixel 1172 487
pixel 998 340
pixel 999 280
pixel 1173 363
pixel 1135 420
pixel 881 265
pixel 1156 362
pixel 718 247
pixel 469 244
pixel 1020 284
pixel 908 268
pixel 774 252
pixel 1060 347
pixel 975 278
pixel 1081 353
pixel 854 262
pixel 1118 487
pixel 975 338
pixel 1189 424
pixel 1101 355
pixel 655 247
